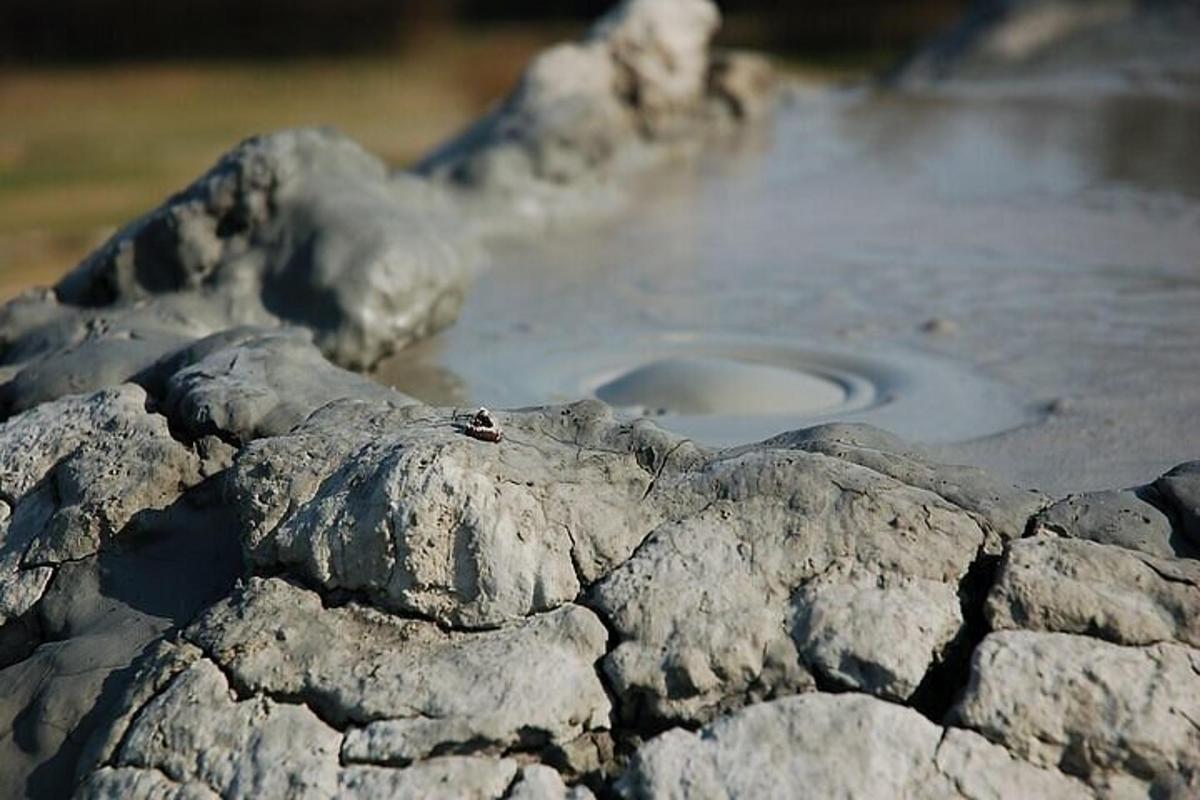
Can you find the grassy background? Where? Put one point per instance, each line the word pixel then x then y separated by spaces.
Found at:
pixel 84 149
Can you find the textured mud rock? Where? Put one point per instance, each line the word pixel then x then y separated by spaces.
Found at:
pixel 841 627
pixel 1123 717
pixel 1087 706
pixel 410 689
pixel 1159 519
pixel 197 731
pixel 72 474
pixel 539 782
pixel 833 746
pixel 302 227
pixel 703 608
pixel 88 366
pixel 102 521
pixel 425 519
pixel 249 383
pixel 1097 590
pixel 125 782
pixel 726 578
pixel 1179 490
pixel 402 505
pixel 159 664
pixel 1119 518
pixel 1001 509
pixel 447 778
pixel 184 730
pixel 51 349
pixel 641 85
pixel 451 778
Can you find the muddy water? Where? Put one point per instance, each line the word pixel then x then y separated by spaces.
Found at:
pixel 1010 278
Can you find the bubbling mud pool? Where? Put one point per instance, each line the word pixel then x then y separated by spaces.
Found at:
pixel 1008 277
pixel 731 390
pixel 726 394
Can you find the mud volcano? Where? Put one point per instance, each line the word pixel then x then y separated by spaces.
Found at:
pixel 725 390
pixel 704 386
pixel 731 331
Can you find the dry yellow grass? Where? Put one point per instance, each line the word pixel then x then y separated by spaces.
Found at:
pixel 85 149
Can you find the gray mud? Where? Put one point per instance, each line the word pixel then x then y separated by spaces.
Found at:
pixel 1010 277
pixel 232 567
pixel 724 389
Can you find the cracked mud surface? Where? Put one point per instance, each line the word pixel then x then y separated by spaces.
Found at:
pixel 232 567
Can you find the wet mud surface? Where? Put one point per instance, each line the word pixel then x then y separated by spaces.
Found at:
pixel 1010 275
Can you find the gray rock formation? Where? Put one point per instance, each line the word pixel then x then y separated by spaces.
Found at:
pixel 1094 667
pixel 115 784
pixel 839 625
pixel 704 608
pixel 251 747
pixel 643 85
pixel 1001 509
pixel 445 778
pixel 847 745
pixel 246 383
pixel 73 473
pixel 1179 491
pixel 196 732
pixel 1049 584
pixel 407 688
pixel 400 504
pixel 424 519
pixel 538 782
pixel 1159 519
pixel 449 571
pixel 103 506
pixel 1120 518
pixel 1094 709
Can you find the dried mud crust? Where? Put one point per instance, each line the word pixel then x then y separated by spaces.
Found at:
pixel 610 601
pixel 586 604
